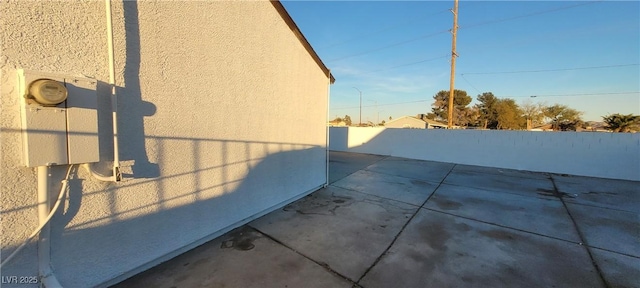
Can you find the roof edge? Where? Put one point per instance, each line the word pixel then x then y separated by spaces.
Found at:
pixel 294 28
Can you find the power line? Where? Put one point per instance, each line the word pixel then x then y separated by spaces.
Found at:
pixel 389 46
pixel 579 94
pixel 393 27
pixel 461 27
pixel 474 87
pixel 528 15
pixel 403 65
pixel 530 96
pixel 551 70
pixel 387 104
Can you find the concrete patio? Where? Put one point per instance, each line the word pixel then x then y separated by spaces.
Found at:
pixel 394 222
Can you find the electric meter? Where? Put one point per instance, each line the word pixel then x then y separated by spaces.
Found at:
pixel 47 92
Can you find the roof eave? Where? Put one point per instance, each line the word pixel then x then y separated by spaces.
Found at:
pixel 296 31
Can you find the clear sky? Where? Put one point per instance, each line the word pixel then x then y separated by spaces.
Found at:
pixel 398 53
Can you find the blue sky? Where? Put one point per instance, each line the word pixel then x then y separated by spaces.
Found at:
pixel 398 52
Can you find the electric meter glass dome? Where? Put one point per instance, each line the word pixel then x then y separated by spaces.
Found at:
pixel 48 92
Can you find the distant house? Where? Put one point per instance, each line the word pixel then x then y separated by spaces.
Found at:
pixel 419 122
pixel 336 123
pixel 543 127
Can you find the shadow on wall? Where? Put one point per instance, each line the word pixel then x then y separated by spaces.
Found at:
pixel 605 155
pixel 131 108
pixel 131 111
pixel 113 246
pixel 126 244
pixel 126 231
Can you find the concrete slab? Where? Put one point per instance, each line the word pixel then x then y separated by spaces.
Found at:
pixel 532 187
pixel 403 189
pixel 471 233
pixel 608 193
pixel 542 216
pixel 429 171
pixel 343 164
pixel 344 230
pixel 608 229
pixel 618 270
pixel 501 171
pixel 440 250
pixel 241 258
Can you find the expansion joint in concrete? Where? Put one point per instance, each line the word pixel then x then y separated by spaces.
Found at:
pixel 319 263
pixel 583 240
pixel 403 227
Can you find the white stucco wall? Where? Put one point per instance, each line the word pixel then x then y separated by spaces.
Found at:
pixel 222 117
pixel 606 155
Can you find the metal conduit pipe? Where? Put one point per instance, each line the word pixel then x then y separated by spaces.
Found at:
pixel 43 219
pixel 114 99
pixel 45 213
pixel 116 175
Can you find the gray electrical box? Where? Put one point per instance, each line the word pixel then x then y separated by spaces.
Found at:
pixel 64 133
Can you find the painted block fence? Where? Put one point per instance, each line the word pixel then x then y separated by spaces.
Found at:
pixel 597 154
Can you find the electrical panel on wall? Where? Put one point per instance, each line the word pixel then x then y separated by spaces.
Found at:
pixel 59 119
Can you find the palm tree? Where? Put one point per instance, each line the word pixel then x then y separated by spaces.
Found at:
pixel 622 123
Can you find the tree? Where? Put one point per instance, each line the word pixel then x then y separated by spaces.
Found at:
pixel 441 105
pixel 468 117
pixel 486 108
pixel 390 118
pixel 347 120
pixel 533 113
pixel 622 123
pixel 562 117
pixel 495 113
pixel 508 114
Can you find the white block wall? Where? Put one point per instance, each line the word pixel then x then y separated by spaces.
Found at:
pixel 222 117
pixel 605 155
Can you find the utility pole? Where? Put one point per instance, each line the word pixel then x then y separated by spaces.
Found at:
pixel 454 32
pixel 361 103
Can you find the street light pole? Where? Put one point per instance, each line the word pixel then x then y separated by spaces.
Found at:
pixel 360 105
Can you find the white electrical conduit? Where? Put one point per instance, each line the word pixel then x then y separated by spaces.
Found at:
pixel 43 175
pixel 97 175
pixel 44 214
pixel 114 99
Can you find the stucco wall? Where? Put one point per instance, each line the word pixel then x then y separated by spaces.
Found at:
pixel 222 117
pixel 606 155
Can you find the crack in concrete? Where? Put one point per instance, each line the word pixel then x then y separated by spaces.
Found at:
pixel 403 227
pixel 319 263
pixel 583 240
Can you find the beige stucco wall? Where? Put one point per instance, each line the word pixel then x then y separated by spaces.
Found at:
pixel 222 116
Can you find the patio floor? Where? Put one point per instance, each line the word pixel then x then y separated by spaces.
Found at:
pixel 394 222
